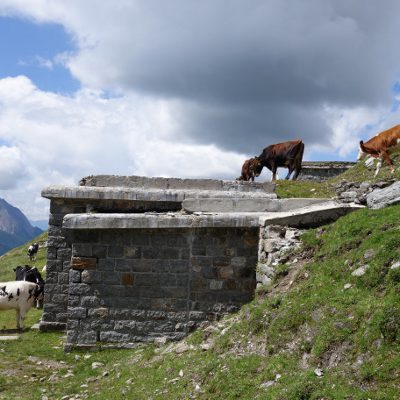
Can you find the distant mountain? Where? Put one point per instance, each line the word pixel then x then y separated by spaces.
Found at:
pixel 15 229
pixel 41 223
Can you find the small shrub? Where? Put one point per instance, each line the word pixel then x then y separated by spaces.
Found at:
pixel 302 390
pixel 390 323
pixel 394 276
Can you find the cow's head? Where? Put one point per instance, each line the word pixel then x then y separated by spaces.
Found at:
pixel 363 151
pixel 27 273
pixel 255 167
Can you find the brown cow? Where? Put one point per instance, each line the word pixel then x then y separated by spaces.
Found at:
pixel 249 169
pixel 287 154
pixel 379 147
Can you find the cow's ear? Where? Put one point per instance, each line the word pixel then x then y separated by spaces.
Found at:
pixel 361 142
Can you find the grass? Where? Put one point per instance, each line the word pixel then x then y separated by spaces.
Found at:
pixel 269 350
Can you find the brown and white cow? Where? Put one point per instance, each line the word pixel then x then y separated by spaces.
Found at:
pixel 380 146
pixel 286 154
pixel 249 169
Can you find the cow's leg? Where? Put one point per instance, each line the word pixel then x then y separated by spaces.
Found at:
pixel 378 166
pixel 21 318
pixel 274 173
pixel 20 322
pixel 289 173
pixel 296 173
pixel 385 155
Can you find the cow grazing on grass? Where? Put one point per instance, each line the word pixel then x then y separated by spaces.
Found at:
pixel 249 169
pixel 32 251
pixel 380 146
pixel 287 154
pixel 30 274
pixel 20 296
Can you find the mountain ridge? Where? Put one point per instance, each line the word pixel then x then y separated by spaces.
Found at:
pixel 15 228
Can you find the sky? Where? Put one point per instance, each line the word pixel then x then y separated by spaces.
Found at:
pixel 186 88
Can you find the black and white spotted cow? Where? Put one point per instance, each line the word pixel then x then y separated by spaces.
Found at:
pixel 29 274
pixel 32 251
pixel 20 296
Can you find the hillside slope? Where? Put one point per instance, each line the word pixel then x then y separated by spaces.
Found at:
pixel 327 328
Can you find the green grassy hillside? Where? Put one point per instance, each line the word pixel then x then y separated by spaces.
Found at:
pixel 328 335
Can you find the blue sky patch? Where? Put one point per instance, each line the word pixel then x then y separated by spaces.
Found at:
pixel 30 49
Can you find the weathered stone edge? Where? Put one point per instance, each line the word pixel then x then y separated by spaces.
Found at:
pixel 136 194
pixel 151 221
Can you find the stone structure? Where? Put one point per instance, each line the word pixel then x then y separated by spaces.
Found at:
pixel 322 170
pixel 134 259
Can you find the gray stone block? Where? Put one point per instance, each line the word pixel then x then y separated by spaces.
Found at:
pixel 381 198
pixel 77 312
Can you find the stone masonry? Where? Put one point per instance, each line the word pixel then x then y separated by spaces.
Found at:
pixel 142 284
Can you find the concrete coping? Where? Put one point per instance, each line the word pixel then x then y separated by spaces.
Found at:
pixel 170 220
pixel 148 195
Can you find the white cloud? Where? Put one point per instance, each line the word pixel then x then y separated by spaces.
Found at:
pixel 12 167
pixel 58 139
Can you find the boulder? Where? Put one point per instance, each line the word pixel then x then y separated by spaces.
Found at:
pixel 381 198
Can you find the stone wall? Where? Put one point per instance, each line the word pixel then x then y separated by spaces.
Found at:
pixel 138 285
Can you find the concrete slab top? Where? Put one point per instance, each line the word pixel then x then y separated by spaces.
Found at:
pixel 139 194
pixel 160 220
